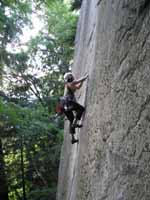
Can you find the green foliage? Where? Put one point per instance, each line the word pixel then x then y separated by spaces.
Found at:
pixel 61 22
pixel 42 143
pixel 13 17
pixel 32 81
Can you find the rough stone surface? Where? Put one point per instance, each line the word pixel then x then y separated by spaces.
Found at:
pixel 112 159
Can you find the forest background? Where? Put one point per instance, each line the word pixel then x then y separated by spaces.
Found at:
pixel 31 80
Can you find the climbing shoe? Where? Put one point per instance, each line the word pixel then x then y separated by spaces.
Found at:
pixel 74 141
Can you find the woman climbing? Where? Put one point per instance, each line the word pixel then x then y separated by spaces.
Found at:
pixel 70 107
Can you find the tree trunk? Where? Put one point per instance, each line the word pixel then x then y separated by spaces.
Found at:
pixel 3 182
pixel 22 170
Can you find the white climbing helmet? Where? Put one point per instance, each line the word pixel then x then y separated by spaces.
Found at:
pixel 68 77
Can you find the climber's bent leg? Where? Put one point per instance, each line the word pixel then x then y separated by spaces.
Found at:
pixel 79 111
pixel 70 116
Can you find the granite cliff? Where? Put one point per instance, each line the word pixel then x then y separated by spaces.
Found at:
pixel 112 159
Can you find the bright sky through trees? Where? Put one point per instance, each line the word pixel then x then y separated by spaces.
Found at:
pixel 28 32
pixel 31 32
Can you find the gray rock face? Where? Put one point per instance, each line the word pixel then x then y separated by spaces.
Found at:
pixel 112 159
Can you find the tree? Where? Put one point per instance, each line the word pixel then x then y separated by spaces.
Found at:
pixel 32 80
pixel 14 16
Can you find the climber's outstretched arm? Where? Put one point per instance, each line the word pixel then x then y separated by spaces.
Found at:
pixel 81 79
pixel 77 84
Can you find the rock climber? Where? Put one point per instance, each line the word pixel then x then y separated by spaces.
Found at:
pixel 69 106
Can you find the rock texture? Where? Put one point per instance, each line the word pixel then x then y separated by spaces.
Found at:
pixel 112 159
